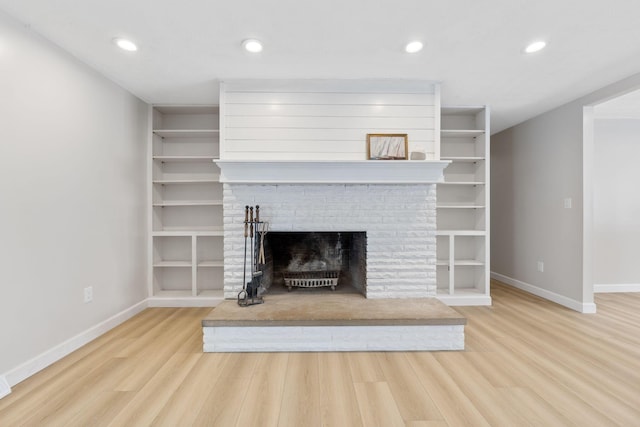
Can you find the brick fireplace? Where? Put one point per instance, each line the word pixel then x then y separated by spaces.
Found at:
pixel 298 149
pixel 397 213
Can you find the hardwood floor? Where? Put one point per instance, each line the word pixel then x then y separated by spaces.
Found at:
pixel 527 362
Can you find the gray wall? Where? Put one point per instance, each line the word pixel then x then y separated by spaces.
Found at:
pixel 534 167
pixel 616 202
pixel 72 191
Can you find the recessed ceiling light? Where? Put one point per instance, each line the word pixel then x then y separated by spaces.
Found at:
pixel 125 44
pixel 252 45
pixel 413 47
pixel 535 46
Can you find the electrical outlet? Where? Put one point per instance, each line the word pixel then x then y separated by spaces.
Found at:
pixel 541 266
pixel 568 203
pixel 88 294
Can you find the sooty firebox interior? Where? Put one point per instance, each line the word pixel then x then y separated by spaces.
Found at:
pixel 315 261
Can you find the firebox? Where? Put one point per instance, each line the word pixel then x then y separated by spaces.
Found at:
pixel 315 261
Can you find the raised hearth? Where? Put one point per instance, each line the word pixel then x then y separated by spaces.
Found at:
pixel 333 322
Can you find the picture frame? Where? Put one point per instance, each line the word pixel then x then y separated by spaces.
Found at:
pixel 387 146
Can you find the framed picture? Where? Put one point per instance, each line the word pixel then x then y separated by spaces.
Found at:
pixel 387 146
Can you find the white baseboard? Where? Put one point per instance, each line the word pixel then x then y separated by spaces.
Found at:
pixel 543 293
pixel 610 287
pixel 184 302
pixel 465 300
pixel 56 353
pixel 5 389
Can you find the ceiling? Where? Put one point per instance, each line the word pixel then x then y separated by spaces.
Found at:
pixel 474 48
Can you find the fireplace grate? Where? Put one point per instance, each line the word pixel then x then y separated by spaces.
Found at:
pixel 311 279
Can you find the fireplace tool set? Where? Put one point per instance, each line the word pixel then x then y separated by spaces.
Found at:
pixel 256 231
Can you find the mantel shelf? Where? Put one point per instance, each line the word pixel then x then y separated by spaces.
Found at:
pixel 331 172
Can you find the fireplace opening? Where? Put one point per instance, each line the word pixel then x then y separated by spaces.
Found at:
pixel 315 262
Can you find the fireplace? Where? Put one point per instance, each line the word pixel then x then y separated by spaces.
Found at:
pixel 390 209
pixel 399 221
pixel 315 261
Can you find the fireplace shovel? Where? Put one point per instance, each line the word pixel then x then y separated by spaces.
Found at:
pixel 249 293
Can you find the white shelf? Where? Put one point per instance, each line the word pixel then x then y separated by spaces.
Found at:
pixel 170 298
pixel 214 179
pixel 468 262
pixel 185 196
pixel 460 233
pixel 459 207
pixel 185 158
pixel 461 159
pixel 461 183
pixel 176 232
pixel 463 207
pixel 172 264
pixel 460 133
pixel 188 203
pixel 186 133
pixel 460 262
pixel 170 294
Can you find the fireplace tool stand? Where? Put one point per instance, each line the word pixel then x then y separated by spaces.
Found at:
pixel 255 230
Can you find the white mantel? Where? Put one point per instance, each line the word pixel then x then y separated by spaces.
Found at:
pixel 331 171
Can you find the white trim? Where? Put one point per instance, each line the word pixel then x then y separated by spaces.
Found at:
pixel 551 296
pixel 331 171
pixel 5 389
pixel 56 353
pixel 184 301
pixel 465 300
pixel 616 287
pixel 588 161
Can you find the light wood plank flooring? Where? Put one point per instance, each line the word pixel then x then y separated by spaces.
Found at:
pixel 527 362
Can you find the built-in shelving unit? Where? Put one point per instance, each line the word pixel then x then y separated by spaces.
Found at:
pixel 463 207
pixel 185 207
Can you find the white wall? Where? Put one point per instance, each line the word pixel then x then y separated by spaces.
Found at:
pixel 72 191
pixel 323 119
pixel 616 202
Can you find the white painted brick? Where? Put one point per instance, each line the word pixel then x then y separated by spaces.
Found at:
pixel 399 221
pixel 334 338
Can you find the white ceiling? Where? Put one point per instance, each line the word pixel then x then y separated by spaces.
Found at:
pixel 472 47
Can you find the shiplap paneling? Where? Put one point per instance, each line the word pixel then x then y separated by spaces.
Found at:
pixel 331 122
pixel 323 120
pixel 323 98
pixel 244 110
pixel 316 134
